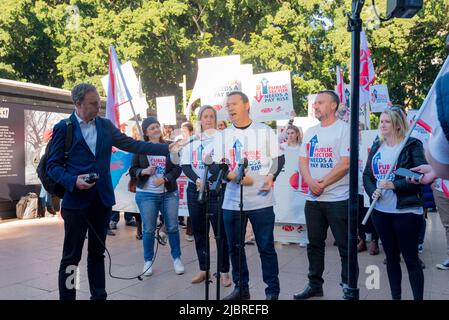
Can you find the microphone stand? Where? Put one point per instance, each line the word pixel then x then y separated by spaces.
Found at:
pixel 242 240
pixel 207 246
pixel 217 187
pixel 203 197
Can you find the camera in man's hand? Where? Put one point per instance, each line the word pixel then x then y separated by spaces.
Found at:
pixel 91 178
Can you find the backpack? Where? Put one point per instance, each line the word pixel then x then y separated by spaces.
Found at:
pixel 48 183
pixel 27 206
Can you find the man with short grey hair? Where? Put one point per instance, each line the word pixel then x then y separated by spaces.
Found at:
pixel 87 202
pixel 324 165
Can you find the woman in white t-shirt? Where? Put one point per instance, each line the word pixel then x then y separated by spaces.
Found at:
pixel 294 136
pixel 157 191
pixel 397 214
pixel 193 166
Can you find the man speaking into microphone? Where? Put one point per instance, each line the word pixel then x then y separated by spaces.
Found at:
pixel 254 158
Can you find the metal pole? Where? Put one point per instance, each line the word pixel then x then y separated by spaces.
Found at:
pixel 218 237
pixel 207 245
pixel 354 26
pixel 242 242
pixel 184 93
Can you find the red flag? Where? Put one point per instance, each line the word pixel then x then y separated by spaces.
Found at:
pixel 445 187
pixel 340 85
pixel 116 91
pixel 367 72
pixel 429 117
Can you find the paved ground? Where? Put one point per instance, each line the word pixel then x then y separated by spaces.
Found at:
pixel 30 252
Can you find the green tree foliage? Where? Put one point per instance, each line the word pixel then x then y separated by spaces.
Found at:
pixel 27 49
pixel 61 43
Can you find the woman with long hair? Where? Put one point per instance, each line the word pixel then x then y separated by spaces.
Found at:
pixel 398 212
pixel 187 131
pixel 291 147
pixel 193 166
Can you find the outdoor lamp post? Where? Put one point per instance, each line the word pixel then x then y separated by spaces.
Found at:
pixel 395 9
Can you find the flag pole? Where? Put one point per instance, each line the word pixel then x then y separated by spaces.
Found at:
pixel 114 56
pixel 409 133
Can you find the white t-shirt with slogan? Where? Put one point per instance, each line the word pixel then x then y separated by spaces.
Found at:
pixel 380 165
pixel 194 154
pixel 259 144
pixel 323 147
pixel 159 162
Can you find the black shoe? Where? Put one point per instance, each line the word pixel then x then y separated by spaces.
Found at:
pixel 131 223
pixel 235 295
pixel 272 297
pixel 110 232
pixel 308 292
pixel 139 236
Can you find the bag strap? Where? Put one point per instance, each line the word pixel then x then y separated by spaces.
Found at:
pixel 68 139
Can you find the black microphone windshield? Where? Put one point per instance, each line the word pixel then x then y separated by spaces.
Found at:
pixel 223 166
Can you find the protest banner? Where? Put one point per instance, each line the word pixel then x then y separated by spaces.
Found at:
pixel 166 110
pixel 379 97
pixel 272 98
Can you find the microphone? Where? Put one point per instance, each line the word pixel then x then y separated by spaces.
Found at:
pixel 188 141
pixel 207 162
pixel 243 164
pixel 224 168
pixel 174 155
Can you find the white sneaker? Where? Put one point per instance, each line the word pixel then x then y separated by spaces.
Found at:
pixel 443 265
pixel 147 268
pixel 177 264
pixel 189 238
pixel 303 245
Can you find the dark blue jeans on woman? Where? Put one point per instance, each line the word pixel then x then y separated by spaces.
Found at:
pixel 399 233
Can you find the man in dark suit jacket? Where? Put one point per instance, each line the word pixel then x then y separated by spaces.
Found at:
pixel 87 206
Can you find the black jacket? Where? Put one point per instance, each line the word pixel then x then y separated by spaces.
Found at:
pixel 140 162
pixel 408 194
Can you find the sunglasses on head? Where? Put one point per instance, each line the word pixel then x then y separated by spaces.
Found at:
pixel 396 108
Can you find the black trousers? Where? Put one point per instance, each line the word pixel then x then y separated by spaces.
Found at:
pixel 197 213
pixel 319 216
pixel 399 234
pixel 94 218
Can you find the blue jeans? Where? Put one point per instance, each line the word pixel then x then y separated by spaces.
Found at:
pixel 116 216
pixel 149 205
pixel 262 221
